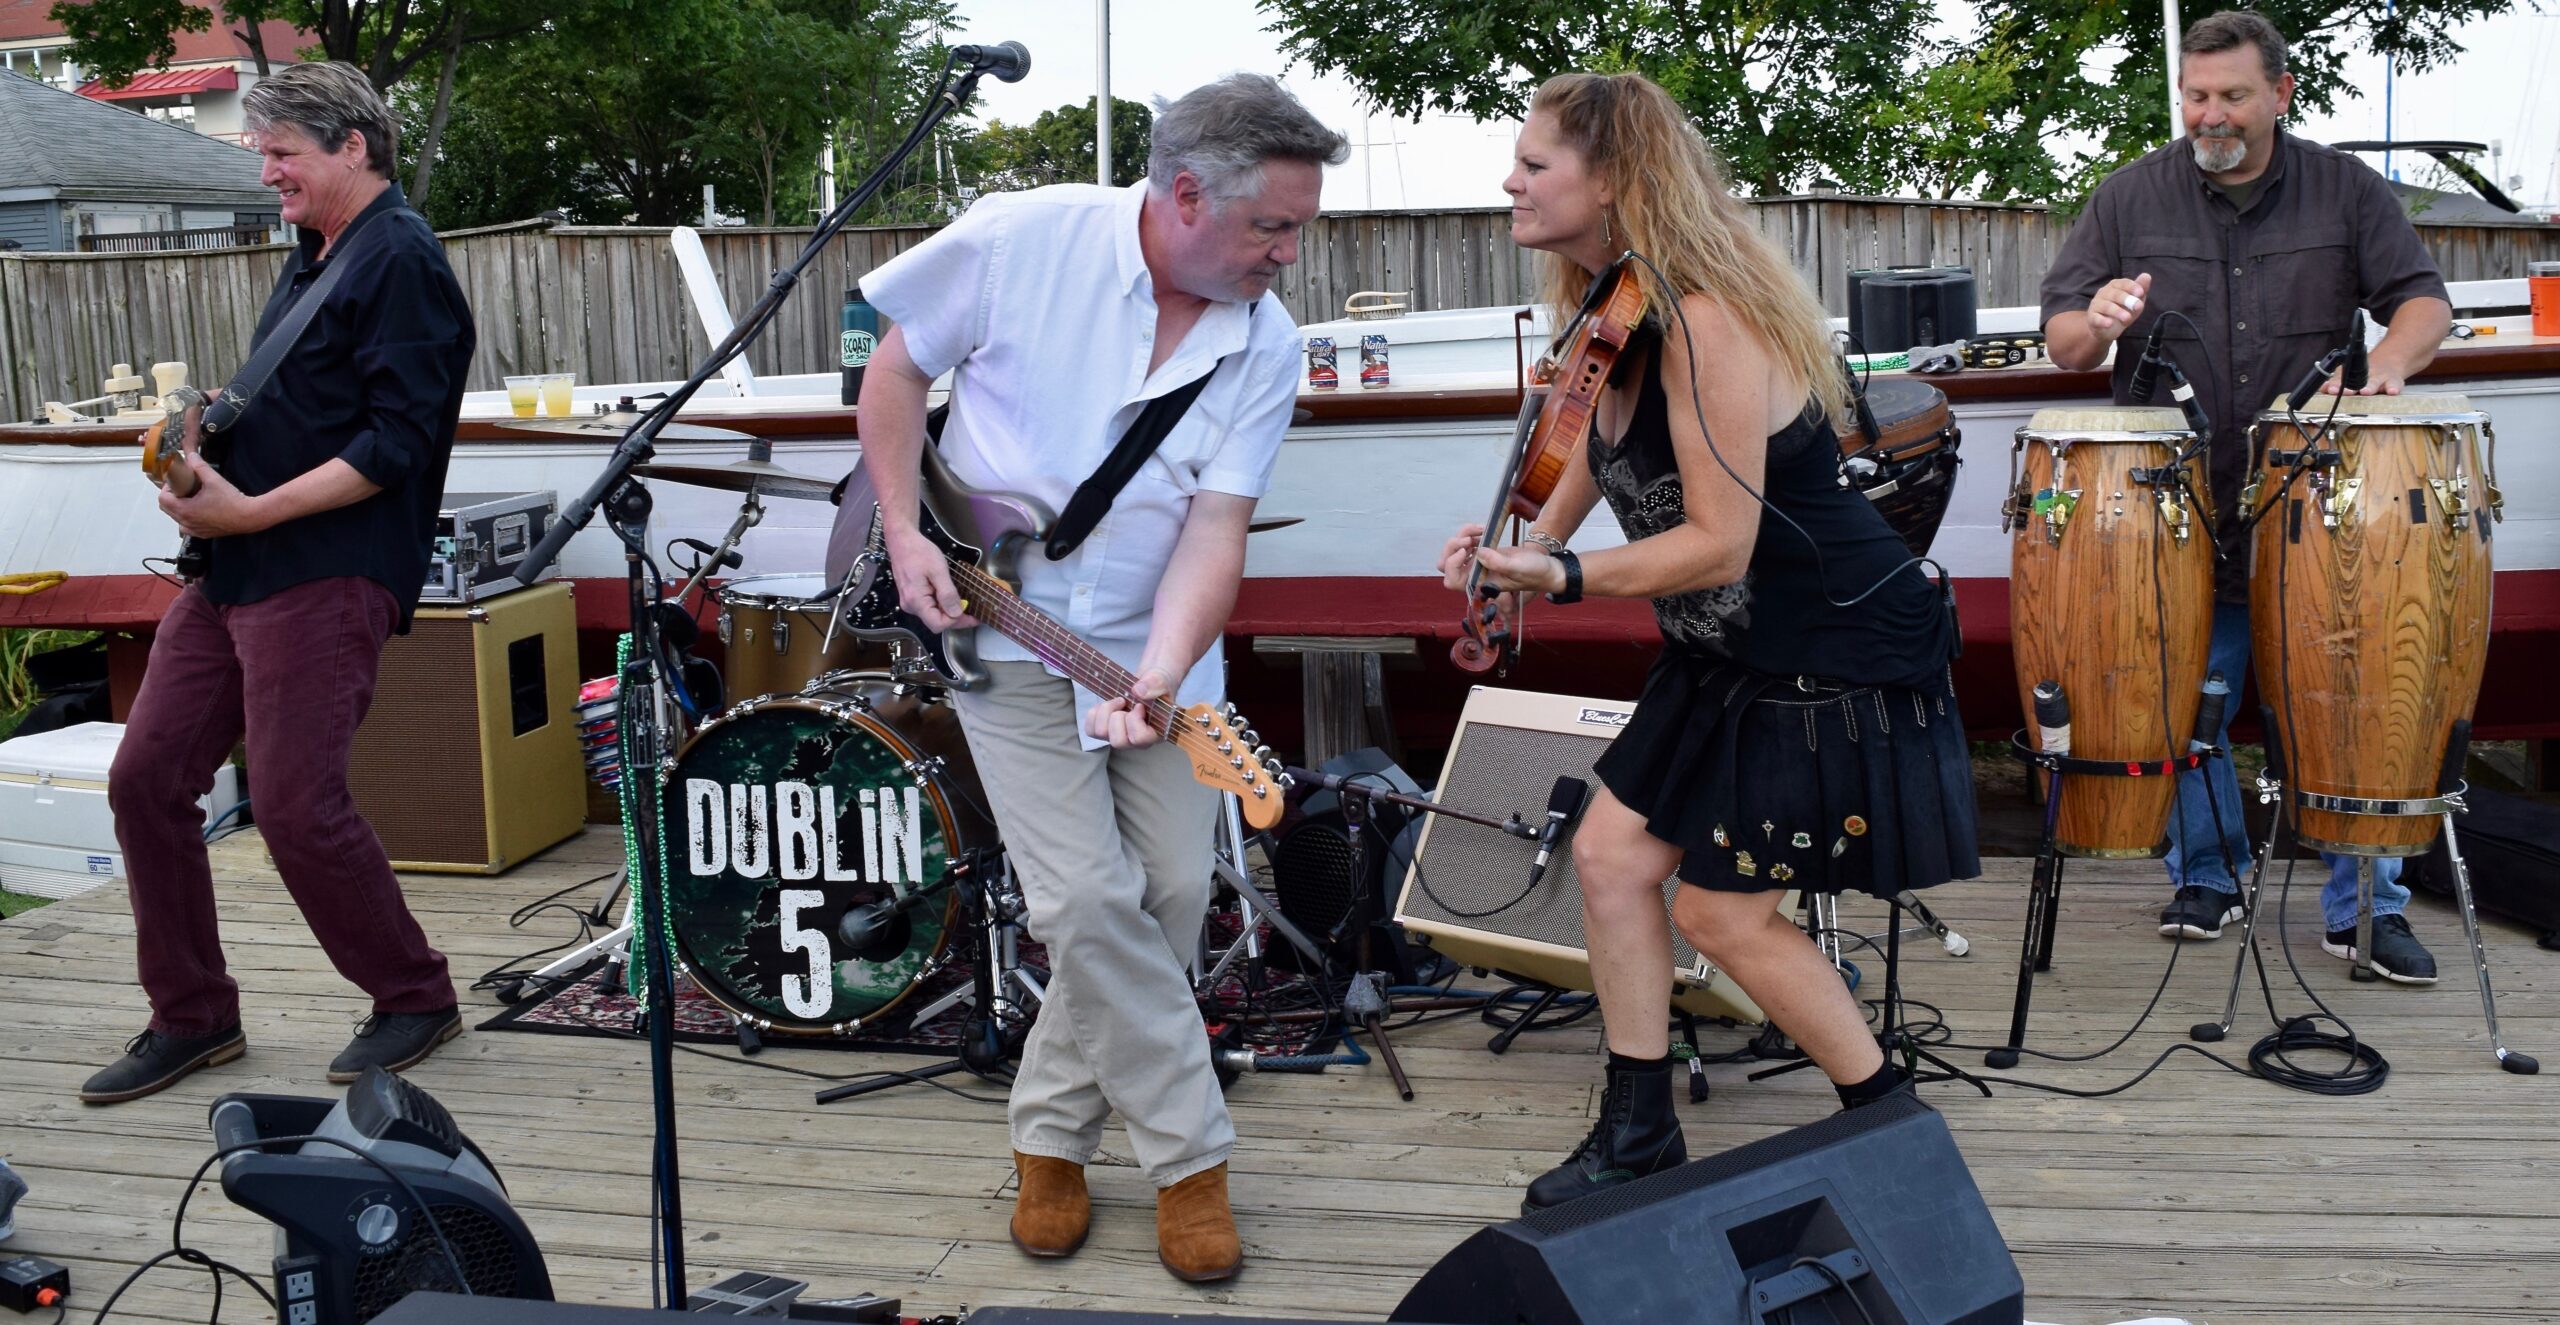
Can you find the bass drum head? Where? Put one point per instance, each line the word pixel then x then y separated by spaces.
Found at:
pixel 779 819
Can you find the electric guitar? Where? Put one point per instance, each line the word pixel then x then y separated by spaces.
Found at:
pixel 165 446
pixel 982 535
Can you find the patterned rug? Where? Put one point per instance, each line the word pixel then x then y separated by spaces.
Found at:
pixel 592 1002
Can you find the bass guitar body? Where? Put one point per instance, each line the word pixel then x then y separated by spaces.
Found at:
pixel 165 447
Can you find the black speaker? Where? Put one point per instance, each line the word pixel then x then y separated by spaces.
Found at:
pixel 1874 1203
pixel 1892 309
pixel 1315 871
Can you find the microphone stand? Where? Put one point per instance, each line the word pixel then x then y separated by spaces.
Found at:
pixel 1368 1005
pixel 626 503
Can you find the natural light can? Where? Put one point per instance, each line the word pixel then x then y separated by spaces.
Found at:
pixel 1373 361
pixel 1322 375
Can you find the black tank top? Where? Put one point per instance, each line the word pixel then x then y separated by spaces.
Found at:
pixel 1781 617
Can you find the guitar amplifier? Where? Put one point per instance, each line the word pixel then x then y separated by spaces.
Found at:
pixel 1467 893
pixel 481 542
pixel 468 761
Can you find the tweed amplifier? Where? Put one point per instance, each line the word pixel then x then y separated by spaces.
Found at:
pixel 468 761
pixel 1458 897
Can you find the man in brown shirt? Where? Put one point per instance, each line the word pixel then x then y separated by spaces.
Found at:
pixel 2247 251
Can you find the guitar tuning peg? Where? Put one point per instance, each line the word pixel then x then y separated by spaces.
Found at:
pixel 1261 753
pixel 1228 710
pixel 1252 737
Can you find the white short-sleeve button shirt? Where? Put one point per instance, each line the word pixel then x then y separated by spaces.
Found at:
pixel 1040 305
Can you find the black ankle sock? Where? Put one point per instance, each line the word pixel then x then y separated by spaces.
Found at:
pixel 1872 1089
pixel 1619 1062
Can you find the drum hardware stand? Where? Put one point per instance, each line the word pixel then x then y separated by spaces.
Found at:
pixel 2443 806
pixel 1001 994
pixel 1891 1035
pixel 2052 753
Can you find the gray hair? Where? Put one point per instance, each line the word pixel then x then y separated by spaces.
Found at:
pixel 1223 132
pixel 2232 29
pixel 326 101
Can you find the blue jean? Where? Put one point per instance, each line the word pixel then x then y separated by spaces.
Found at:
pixel 2193 857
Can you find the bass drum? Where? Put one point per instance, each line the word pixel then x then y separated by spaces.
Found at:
pixel 786 814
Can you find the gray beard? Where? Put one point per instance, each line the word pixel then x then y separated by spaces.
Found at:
pixel 2215 156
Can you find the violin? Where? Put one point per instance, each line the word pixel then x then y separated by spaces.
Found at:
pixel 1555 415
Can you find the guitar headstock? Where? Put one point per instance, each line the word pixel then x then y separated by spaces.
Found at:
pixel 1229 755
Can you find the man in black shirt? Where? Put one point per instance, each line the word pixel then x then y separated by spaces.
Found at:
pixel 2247 251
pixel 318 522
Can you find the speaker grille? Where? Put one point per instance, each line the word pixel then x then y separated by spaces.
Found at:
pixel 416 1263
pixel 1311 871
pixel 416 770
pixel 1500 770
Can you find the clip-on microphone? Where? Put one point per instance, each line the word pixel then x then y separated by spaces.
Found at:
pixel 2350 356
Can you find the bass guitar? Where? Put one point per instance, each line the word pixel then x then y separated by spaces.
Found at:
pixel 165 446
pixel 982 535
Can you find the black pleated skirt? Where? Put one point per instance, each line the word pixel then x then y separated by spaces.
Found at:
pixel 1781 782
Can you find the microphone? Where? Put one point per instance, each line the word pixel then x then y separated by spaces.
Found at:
pixel 2354 373
pixel 2146 370
pixel 2184 393
pixel 1008 61
pixel 863 924
pixel 2209 711
pixel 2053 718
pixel 1564 805
pixel 2351 355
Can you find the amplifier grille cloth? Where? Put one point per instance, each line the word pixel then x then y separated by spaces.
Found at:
pixel 1498 771
pixel 416 767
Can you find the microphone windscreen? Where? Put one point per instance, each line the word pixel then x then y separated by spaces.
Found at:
pixel 1567 797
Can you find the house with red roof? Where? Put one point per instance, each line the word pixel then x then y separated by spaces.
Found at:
pixel 199 88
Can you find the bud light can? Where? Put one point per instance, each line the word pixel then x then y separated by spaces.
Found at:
pixel 1373 361
pixel 1321 372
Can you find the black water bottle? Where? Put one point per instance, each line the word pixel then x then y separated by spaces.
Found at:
pixel 861 336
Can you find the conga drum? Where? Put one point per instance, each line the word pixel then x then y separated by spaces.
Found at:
pixel 1908 469
pixel 2369 607
pixel 2111 594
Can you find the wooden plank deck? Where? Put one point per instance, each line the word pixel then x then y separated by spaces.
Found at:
pixel 2197 1193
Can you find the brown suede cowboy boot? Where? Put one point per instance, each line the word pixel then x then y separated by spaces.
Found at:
pixel 1195 1231
pixel 1051 1212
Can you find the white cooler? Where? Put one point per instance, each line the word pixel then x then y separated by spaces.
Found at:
pixel 57 836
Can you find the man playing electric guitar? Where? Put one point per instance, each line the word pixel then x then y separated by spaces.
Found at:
pixel 316 534
pixel 1064 311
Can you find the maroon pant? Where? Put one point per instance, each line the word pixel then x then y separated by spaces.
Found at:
pixel 293 673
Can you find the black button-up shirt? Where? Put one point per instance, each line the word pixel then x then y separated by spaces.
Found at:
pixel 375 380
pixel 2271 289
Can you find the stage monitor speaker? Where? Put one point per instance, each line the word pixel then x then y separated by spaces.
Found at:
pixel 1892 309
pixel 468 761
pixel 1877 1196
pixel 1468 894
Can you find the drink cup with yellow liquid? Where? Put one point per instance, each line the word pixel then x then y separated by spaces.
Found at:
pixel 522 394
pixel 555 393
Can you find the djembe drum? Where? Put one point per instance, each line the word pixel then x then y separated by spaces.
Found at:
pixel 2369 608
pixel 2111 594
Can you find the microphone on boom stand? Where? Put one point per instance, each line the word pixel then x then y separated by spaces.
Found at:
pixel 2350 356
pixel 1008 61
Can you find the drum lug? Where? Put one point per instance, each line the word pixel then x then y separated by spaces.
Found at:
pixel 2489 474
pixel 2342 499
pixel 2268 789
pixel 781 632
pixel 924 770
pixel 724 625
pixel 2173 512
pixel 2457 511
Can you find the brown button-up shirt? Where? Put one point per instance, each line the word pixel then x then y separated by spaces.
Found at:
pixel 2268 290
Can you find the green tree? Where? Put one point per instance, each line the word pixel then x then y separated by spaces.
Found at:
pixel 1057 148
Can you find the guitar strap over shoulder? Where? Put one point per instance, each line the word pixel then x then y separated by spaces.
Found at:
pixel 270 351
pixel 1093 497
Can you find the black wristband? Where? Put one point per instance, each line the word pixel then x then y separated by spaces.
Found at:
pixel 1572 590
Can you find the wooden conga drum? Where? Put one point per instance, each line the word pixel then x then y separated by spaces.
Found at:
pixel 2111 594
pixel 2369 608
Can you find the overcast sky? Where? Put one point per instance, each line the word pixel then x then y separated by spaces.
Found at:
pixel 2500 89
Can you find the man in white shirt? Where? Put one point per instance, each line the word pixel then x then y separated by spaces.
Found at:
pixel 1062 311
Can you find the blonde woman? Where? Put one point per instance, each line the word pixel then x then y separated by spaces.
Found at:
pixel 1798 731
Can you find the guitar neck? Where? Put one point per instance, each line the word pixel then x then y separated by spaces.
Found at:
pixel 994 603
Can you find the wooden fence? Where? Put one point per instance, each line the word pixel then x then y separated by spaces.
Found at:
pixel 606 304
pixel 153 241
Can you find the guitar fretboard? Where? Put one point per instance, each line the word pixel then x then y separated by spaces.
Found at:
pixel 993 602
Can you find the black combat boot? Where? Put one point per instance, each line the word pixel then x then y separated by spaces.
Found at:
pixel 1637 1134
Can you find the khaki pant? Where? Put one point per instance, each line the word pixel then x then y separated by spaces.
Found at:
pixel 1112 849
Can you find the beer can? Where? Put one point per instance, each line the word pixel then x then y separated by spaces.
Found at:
pixel 1322 375
pixel 1373 361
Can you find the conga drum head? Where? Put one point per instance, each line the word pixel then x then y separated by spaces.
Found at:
pixel 1911 417
pixel 2369 606
pixel 782 818
pixel 2111 597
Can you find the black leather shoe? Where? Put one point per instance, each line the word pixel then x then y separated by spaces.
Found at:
pixel 154 1062
pixel 1637 1134
pixel 2397 953
pixel 394 1042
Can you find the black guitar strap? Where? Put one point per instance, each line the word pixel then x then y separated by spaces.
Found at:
pixel 1092 497
pixel 270 351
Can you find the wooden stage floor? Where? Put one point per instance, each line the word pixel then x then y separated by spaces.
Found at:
pixel 2197 1193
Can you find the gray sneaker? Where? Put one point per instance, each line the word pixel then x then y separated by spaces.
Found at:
pixel 2198 912
pixel 2397 953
